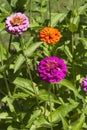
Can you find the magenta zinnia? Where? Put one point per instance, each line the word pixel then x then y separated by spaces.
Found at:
pixel 16 23
pixel 84 84
pixel 52 69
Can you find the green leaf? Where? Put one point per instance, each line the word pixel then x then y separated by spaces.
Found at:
pixel 32 48
pixel 34 24
pixel 20 95
pixel 12 2
pixel 16 46
pixel 68 53
pixel 69 85
pixel 33 117
pixel 44 96
pixel 19 61
pixel 24 84
pixel 12 128
pixel 75 20
pixel 2 68
pixel 3 57
pixel 20 5
pixel 3 17
pixel 72 27
pixel 2 26
pixel 28 42
pixel 82 9
pixel 57 17
pixel 64 122
pixel 46 50
pixel 33 127
pixel 9 102
pixel 42 122
pixel 3 10
pixel 63 110
pixel 3 52
pixel 77 125
pixel 84 42
pixel 4 115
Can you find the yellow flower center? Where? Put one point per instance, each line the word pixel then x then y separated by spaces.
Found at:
pixel 51 64
pixel 16 20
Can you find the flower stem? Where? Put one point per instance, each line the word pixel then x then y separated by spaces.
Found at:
pixel 9 46
pixel 50 11
pixel 28 70
pixel 73 67
pixel 6 83
pixel 4 75
pixel 73 44
pixel 49 96
pixel 30 10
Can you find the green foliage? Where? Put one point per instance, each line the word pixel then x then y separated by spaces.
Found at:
pixel 62 111
pixel 30 50
pixel 19 61
pixel 26 102
pixel 78 123
pixel 24 84
pixel 69 85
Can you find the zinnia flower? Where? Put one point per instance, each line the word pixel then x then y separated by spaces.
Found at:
pixel 84 84
pixel 52 69
pixel 50 35
pixel 16 23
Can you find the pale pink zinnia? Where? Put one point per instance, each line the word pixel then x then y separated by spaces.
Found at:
pixel 17 23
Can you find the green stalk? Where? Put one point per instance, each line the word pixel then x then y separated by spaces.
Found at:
pixel 41 10
pixel 30 10
pixel 73 49
pixel 49 4
pixel 72 44
pixel 9 46
pixel 73 67
pixel 4 75
pixel 6 83
pixel 28 69
pixel 49 94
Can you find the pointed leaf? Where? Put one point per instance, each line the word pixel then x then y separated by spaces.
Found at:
pixel 82 9
pixel 16 46
pixel 33 117
pixel 20 95
pixel 64 122
pixel 20 5
pixel 4 115
pixel 32 48
pixel 77 125
pixel 63 110
pixel 72 27
pixel 84 42
pixel 11 128
pixel 42 122
pixel 19 61
pixel 10 104
pixel 69 85
pixel 2 26
pixel 68 53
pixel 24 84
pixel 44 96
pixel 57 17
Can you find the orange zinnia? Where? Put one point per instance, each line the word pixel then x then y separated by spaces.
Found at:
pixel 50 35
